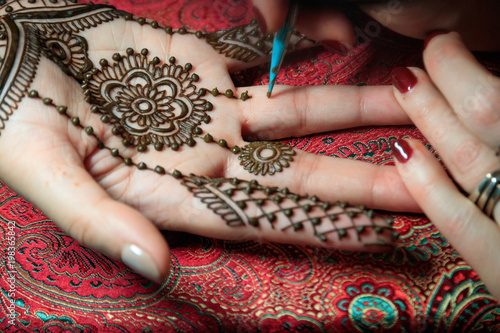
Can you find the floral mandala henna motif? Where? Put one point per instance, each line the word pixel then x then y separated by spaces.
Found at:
pixel 148 103
pixel 266 157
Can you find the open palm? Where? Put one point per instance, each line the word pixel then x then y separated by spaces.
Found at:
pixel 141 136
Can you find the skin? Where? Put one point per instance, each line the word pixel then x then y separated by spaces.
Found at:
pixel 475 21
pixel 105 205
pixel 454 104
pixel 468 150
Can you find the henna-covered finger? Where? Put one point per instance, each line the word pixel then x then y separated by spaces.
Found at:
pixel 273 214
pixel 332 179
pixel 299 111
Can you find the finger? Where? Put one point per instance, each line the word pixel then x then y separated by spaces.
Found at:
pixel 472 91
pixel 329 27
pixel 270 14
pixel 299 111
pixel 475 236
pixel 57 183
pixel 331 179
pixel 466 156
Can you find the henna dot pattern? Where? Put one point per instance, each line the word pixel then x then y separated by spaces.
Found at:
pixel 266 157
pixel 152 103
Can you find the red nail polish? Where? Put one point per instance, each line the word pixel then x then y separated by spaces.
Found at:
pixel 260 21
pixel 433 34
pixel 335 46
pixel 403 79
pixel 401 150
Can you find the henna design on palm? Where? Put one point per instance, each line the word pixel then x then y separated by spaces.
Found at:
pixel 149 103
pixel 21 25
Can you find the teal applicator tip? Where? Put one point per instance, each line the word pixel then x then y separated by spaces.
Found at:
pixel 280 44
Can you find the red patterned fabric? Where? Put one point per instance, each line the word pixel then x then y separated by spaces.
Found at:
pixel 423 285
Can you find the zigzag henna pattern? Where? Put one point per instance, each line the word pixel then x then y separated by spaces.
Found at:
pixel 28 28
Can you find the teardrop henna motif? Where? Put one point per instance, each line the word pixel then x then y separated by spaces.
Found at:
pixel 152 103
pixel 246 43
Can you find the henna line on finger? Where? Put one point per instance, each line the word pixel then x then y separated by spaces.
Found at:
pixel 212 193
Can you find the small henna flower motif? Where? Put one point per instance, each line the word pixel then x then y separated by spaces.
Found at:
pixel 143 106
pixel 266 157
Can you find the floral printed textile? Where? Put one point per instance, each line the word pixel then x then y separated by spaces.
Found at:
pixel 228 286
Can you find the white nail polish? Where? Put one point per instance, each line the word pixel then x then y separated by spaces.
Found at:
pixel 140 261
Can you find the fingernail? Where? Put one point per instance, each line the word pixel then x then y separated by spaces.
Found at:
pixel 401 150
pixel 260 20
pixel 403 79
pixel 335 46
pixel 140 261
pixel 433 34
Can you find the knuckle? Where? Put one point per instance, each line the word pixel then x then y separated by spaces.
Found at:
pixel 308 167
pixel 440 53
pixel 300 102
pixel 81 231
pixel 481 106
pixel 458 221
pixel 466 154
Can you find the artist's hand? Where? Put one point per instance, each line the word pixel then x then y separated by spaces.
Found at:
pixel 109 206
pixel 324 21
pixel 456 106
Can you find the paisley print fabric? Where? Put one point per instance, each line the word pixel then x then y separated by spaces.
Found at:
pixel 224 286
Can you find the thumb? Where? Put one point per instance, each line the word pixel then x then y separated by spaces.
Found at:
pixel 61 187
pixel 270 14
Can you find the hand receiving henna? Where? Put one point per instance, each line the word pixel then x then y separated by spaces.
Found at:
pixel 456 108
pixel 133 130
